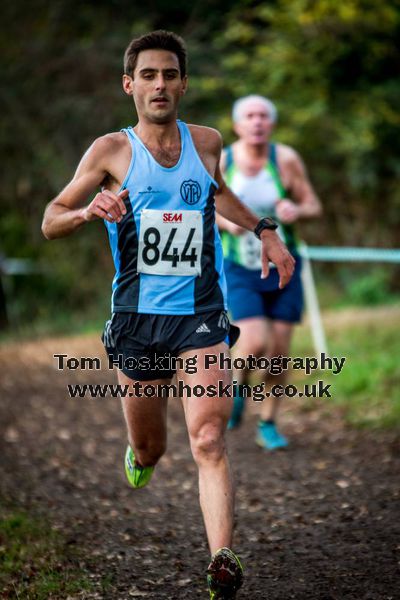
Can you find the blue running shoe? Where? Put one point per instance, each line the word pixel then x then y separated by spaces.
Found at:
pixel 237 412
pixel 268 437
pixel 224 575
pixel 137 476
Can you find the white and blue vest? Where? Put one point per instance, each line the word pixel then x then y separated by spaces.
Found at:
pixel 167 251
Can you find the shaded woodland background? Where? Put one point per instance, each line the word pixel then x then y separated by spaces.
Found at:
pixel 331 68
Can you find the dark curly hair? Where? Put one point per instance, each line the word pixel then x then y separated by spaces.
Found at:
pixel 155 40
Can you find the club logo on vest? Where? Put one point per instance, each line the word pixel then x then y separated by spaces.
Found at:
pixel 190 191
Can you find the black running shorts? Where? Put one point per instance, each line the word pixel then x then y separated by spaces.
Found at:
pixel 137 341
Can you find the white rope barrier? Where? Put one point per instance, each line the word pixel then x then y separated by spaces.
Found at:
pixel 329 254
pixel 326 253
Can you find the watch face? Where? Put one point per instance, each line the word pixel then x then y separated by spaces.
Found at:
pixel 265 223
pixel 268 223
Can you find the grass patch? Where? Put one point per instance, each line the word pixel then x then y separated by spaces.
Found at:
pixel 36 562
pixel 367 387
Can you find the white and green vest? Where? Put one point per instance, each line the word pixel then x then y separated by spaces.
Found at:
pixel 261 194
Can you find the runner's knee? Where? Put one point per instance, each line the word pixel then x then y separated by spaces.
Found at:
pixel 280 348
pixel 207 442
pixel 254 346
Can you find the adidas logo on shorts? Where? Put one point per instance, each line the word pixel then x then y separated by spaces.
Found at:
pixel 203 329
pixel 223 320
pixel 108 338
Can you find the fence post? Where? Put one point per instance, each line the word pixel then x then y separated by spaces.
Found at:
pixel 312 304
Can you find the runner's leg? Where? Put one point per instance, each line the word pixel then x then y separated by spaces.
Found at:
pixel 280 337
pixel 206 420
pixel 146 423
pixel 253 340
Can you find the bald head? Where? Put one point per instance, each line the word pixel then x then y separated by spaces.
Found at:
pixel 242 104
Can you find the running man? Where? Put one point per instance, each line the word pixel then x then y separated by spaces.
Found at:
pixel 158 181
pixel 271 180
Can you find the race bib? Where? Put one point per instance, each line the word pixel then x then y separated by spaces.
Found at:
pixel 250 250
pixel 170 242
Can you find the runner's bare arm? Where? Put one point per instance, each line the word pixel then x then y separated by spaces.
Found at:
pixel 223 223
pixel 208 143
pixel 69 210
pixel 273 249
pixel 306 204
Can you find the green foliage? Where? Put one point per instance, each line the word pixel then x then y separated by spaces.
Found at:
pixel 35 562
pixel 356 284
pixel 371 289
pixel 332 69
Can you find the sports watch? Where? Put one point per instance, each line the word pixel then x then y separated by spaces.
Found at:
pixel 265 223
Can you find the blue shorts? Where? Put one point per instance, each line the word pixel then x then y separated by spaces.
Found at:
pixel 251 296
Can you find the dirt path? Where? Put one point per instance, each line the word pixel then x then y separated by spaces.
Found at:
pixel 320 521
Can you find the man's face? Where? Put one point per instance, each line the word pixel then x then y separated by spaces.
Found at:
pixel 254 125
pixel 156 85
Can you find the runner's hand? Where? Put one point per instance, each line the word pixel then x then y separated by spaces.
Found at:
pixel 108 206
pixel 274 250
pixel 287 211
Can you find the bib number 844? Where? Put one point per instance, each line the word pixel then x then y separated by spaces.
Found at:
pixel 167 248
pixel 151 249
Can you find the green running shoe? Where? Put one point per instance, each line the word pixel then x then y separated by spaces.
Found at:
pixel 224 575
pixel 137 476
